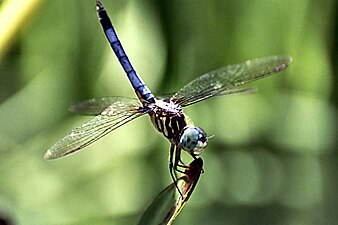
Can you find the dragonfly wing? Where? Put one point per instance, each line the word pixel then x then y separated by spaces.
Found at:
pixel 221 81
pixel 110 119
pixel 95 106
pixel 237 91
pixel 226 92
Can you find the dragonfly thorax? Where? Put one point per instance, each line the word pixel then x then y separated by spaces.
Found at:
pixel 168 106
pixel 193 140
pixel 168 119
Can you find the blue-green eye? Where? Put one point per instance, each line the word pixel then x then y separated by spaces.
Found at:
pixel 193 139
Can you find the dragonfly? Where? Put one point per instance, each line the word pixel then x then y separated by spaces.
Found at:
pixel 166 114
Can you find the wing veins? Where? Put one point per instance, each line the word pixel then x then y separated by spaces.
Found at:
pixel 229 77
pixel 102 134
pixel 90 132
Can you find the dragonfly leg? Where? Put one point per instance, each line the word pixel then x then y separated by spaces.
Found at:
pixel 182 166
pixel 173 166
pixel 172 163
pixel 178 160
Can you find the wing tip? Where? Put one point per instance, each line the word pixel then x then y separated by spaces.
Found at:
pixel 286 61
pixel 49 155
pixel 290 59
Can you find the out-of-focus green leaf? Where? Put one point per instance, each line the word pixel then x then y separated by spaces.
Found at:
pixel 169 203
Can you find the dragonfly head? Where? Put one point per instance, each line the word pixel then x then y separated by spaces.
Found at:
pixel 193 140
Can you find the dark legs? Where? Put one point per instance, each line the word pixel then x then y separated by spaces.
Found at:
pixel 173 166
pixel 175 162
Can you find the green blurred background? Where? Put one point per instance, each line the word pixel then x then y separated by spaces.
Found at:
pixel 273 159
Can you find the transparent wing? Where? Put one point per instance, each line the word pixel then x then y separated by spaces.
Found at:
pixel 95 106
pixel 225 80
pixel 111 118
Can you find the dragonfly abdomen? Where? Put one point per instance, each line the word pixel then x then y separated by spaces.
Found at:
pixel 140 87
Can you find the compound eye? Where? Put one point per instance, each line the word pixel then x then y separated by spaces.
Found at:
pixel 189 138
pixel 202 137
pixel 193 139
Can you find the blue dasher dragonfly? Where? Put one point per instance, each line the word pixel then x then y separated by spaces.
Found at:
pixel 166 114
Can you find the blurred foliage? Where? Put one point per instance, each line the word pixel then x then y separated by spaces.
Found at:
pixel 273 159
pixel 167 205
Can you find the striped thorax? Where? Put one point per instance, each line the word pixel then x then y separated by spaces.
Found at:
pixel 169 119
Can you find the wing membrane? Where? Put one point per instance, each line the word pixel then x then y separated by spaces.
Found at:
pixel 95 106
pixel 222 81
pixel 111 118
